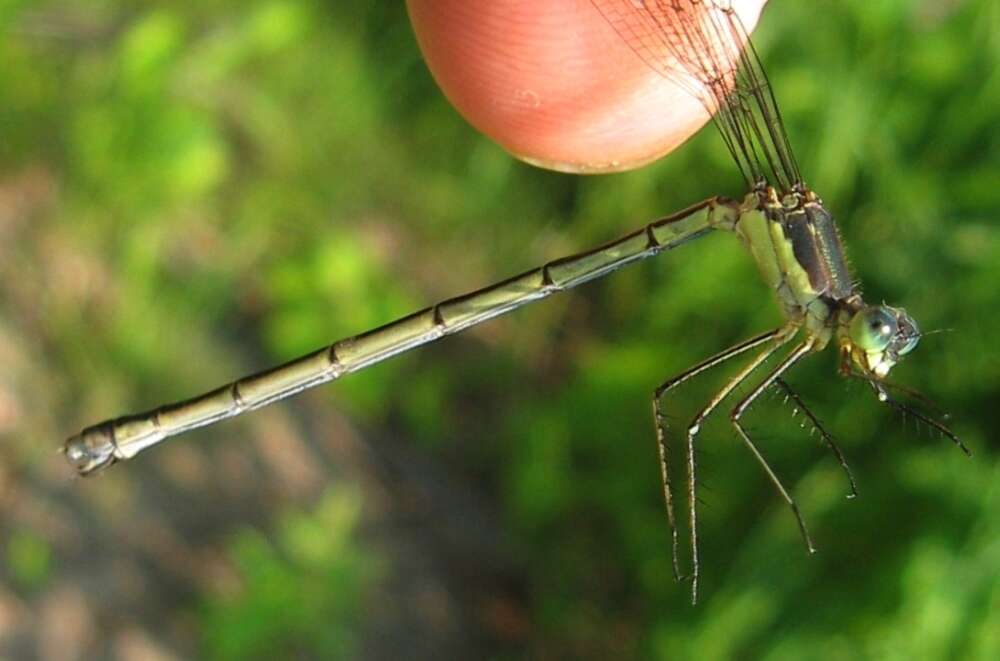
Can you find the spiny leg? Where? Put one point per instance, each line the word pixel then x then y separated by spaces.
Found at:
pixel 797 354
pixel 668 494
pixel 883 387
pixel 779 338
pixel 883 396
pixel 923 399
pixel 824 434
pixel 659 420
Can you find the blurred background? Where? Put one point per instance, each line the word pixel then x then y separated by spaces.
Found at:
pixel 191 191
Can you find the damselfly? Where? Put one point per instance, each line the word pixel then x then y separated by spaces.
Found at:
pixel 703 47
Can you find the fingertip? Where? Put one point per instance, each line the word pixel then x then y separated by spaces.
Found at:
pixel 553 83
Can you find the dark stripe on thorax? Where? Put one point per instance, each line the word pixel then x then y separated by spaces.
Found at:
pixel 818 249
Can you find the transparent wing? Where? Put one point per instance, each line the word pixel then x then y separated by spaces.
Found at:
pixel 702 46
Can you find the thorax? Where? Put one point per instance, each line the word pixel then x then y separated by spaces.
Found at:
pixel 796 244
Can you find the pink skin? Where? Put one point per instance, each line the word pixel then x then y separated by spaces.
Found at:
pixel 554 84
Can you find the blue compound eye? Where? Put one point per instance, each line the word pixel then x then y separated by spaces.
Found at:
pixel 873 329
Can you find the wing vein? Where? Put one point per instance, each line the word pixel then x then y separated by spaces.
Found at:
pixel 703 47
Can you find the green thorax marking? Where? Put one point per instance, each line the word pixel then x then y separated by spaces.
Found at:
pixel 797 247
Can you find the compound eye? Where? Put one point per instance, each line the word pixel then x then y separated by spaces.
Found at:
pixel 872 329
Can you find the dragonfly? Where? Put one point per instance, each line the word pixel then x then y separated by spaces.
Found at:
pixel 703 47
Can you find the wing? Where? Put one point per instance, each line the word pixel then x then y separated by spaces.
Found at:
pixel 702 46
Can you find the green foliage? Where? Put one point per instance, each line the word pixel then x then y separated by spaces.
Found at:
pixel 28 559
pixel 300 593
pixel 231 182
